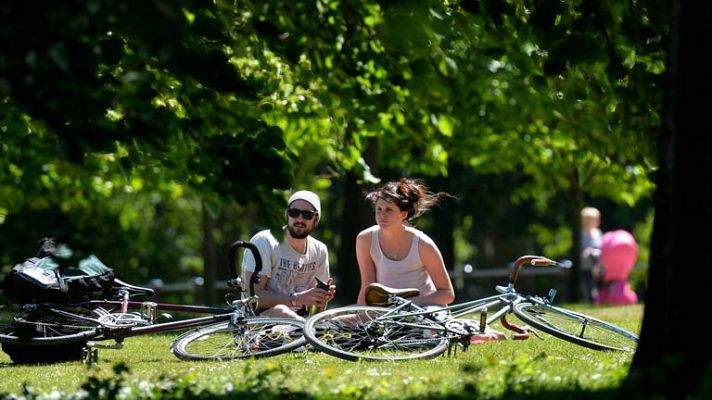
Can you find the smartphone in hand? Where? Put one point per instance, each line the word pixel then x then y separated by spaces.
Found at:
pixel 321 284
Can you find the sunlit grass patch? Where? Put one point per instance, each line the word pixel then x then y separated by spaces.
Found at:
pixel 502 369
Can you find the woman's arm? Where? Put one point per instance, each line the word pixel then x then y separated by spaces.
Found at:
pixel 365 264
pixel 433 260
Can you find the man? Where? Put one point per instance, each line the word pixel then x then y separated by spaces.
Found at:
pixel 287 283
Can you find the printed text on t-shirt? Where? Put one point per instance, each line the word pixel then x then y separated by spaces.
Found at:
pixel 295 266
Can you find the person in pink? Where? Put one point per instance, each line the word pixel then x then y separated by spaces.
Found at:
pixel 619 251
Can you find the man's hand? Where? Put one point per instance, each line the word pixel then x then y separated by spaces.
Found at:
pixel 319 295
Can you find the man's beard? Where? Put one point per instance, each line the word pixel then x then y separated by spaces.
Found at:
pixel 293 232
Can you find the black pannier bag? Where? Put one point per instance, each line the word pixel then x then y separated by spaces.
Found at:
pixel 54 276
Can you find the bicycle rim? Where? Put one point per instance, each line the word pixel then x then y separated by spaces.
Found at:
pixel 44 328
pixel 43 336
pixel 576 328
pixel 251 337
pixel 361 333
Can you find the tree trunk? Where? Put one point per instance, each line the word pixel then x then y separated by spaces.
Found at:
pixel 356 215
pixel 210 265
pixel 444 216
pixel 674 354
pixel 576 282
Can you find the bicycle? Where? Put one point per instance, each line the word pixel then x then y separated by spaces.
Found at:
pixel 60 332
pixel 405 331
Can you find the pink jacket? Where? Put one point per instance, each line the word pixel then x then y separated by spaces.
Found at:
pixel 619 251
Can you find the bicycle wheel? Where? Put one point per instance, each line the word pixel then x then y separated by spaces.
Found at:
pixel 375 333
pixel 251 337
pixel 576 328
pixel 43 335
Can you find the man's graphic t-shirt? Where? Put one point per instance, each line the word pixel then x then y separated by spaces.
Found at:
pixel 287 270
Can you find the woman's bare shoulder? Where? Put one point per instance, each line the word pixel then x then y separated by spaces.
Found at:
pixel 366 233
pixel 424 238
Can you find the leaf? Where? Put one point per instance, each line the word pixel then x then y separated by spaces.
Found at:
pixel 445 125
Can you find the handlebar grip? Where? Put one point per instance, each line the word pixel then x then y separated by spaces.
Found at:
pixel 232 257
pixel 537 261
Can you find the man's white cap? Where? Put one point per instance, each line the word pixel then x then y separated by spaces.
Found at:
pixel 310 197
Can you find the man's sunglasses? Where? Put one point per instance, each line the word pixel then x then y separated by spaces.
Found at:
pixel 306 214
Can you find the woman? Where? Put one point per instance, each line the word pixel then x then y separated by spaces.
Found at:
pixel 394 253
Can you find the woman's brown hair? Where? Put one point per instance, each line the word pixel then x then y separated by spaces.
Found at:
pixel 410 195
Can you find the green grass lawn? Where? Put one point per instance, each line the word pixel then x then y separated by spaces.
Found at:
pixel 548 368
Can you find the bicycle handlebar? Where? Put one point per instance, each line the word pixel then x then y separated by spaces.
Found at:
pixel 537 261
pixel 232 257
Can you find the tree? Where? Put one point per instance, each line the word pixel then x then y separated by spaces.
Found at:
pixel 236 101
pixel 133 102
pixel 570 89
pixel 466 86
pixel 671 360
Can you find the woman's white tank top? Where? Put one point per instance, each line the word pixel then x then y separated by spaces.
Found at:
pixel 409 272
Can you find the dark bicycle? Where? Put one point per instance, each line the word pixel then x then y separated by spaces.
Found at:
pixel 47 332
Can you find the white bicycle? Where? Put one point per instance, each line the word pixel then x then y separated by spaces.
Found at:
pixel 392 327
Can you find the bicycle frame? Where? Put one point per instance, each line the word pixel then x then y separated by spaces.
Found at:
pixel 503 303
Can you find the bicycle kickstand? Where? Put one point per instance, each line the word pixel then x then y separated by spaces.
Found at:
pixel 463 342
pixel 90 354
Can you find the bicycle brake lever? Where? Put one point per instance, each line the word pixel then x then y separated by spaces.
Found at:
pixel 565 264
pixel 535 333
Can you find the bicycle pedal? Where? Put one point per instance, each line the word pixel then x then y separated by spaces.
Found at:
pixel 552 294
pixel 465 346
pixel 90 356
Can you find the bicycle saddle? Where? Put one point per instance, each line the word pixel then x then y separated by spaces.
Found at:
pixel 134 290
pixel 377 294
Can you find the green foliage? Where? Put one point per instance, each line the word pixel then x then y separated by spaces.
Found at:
pixel 161 97
pixel 120 121
pixel 126 126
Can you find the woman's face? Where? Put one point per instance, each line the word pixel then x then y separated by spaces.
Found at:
pixel 388 213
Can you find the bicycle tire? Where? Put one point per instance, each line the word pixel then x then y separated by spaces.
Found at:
pixel 576 327
pixel 357 333
pixel 44 328
pixel 43 336
pixel 249 338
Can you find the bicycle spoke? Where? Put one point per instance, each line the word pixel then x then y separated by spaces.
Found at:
pixel 360 332
pixel 252 337
pixel 576 327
